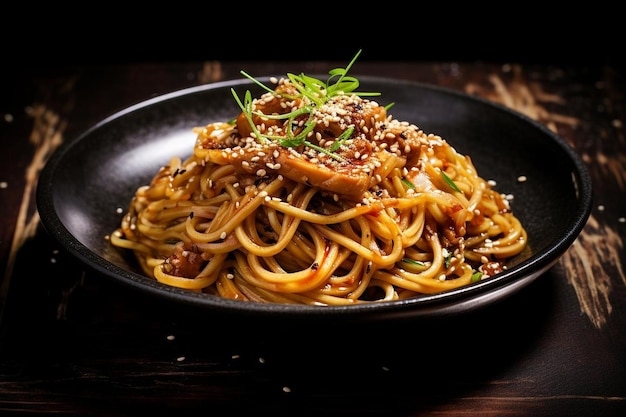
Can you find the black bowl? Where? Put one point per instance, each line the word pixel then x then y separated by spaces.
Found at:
pixel 88 178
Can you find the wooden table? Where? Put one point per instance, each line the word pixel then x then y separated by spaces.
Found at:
pixel 76 344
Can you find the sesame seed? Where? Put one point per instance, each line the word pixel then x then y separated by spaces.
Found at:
pixel 522 178
pixel 223 235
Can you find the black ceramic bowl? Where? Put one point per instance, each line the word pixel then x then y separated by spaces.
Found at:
pixel 91 176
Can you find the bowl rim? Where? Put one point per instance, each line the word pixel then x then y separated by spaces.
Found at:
pixel 449 302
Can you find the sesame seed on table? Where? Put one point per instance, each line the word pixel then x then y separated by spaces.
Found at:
pixel 73 343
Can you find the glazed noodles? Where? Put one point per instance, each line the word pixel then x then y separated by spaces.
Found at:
pixel 315 194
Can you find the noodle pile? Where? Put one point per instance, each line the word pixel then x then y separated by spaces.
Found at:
pixel 323 202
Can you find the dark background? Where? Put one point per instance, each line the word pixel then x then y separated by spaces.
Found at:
pixel 50 35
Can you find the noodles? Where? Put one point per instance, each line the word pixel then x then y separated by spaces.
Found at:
pixel 316 195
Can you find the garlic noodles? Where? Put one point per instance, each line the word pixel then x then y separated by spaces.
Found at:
pixel 314 194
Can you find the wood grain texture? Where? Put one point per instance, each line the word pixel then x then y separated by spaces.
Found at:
pixel 75 344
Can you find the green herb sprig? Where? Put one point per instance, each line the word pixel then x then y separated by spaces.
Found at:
pixel 314 93
pixel 449 181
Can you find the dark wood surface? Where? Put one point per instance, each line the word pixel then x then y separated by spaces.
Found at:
pixel 73 343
